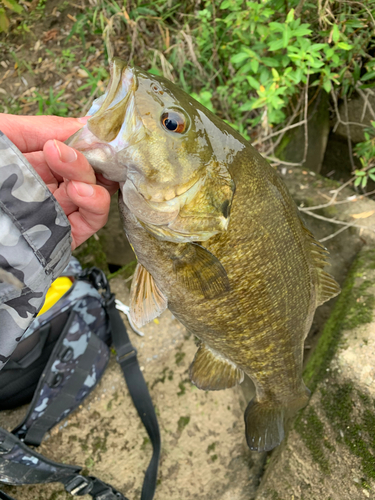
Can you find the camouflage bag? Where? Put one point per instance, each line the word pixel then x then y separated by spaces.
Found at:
pixel 59 361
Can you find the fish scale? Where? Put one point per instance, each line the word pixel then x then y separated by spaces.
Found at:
pixel 218 238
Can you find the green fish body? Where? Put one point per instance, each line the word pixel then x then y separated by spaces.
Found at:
pixel 218 239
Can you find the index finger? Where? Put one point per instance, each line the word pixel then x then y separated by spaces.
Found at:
pixel 29 133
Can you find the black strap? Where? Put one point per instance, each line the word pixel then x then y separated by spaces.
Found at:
pixel 4 496
pixel 127 358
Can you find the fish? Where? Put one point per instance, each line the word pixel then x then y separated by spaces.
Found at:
pixel 218 239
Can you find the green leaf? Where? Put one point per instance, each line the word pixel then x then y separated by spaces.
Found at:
pixel 4 21
pixel 276 27
pixel 13 5
pixel 276 45
pixel 335 33
pixel 301 31
pixel 368 76
pixel 360 173
pixel 254 65
pixel 327 85
pixel 275 74
pixel 239 58
pixel 290 16
pixel 270 61
pixel 357 181
pixel 286 36
pixel 364 182
pixel 372 177
pixel 344 46
pixel 253 83
pixel 225 4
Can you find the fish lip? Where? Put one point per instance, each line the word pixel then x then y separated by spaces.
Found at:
pixel 155 198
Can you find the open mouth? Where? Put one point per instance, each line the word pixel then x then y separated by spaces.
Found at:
pixel 107 122
pixel 157 213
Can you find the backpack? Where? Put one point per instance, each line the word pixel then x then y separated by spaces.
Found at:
pixel 58 362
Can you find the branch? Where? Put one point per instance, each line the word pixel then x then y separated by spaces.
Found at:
pixel 334 221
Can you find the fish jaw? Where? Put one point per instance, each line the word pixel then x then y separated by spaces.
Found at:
pixel 112 126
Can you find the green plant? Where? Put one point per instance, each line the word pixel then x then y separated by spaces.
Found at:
pixel 5 5
pixel 366 153
pixel 51 104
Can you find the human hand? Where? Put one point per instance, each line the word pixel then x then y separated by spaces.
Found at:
pixel 83 195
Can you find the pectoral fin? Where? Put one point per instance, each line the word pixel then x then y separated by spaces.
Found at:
pixel 146 300
pixel 211 372
pixel 199 270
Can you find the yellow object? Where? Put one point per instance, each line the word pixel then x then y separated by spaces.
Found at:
pixel 58 288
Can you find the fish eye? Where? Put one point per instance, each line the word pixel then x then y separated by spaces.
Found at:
pixel 174 122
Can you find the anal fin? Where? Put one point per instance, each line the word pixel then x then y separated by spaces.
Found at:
pixel 199 270
pixel 212 372
pixel 146 300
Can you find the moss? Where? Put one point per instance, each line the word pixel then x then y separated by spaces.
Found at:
pixel 211 447
pixel 182 423
pixel 89 462
pixel 182 388
pixel 146 441
pixel 179 356
pixel 124 272
pixel 214 458
pixel 353 307
pixel 311 429
pixel 161 378
pixel 352 417
pixel 91 253
pixel 100 443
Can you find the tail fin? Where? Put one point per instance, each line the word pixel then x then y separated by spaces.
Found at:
pixel 264 421
pixel 264 425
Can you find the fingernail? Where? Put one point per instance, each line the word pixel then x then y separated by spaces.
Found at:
pixel 83 119
pixel 83 189
pixel 66 154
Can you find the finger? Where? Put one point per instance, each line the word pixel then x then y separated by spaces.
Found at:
pixel 64 199
pixel 93 208
pixel 38 162
pixel 68 163
pixel 29 133
pixel 111 186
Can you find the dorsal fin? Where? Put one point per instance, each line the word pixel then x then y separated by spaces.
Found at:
pixel 327 287
pixel 146 300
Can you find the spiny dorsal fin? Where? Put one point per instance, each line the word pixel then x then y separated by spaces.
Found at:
pixel 198 269
pixel 327 287
pixel 210 371
pixel 146 300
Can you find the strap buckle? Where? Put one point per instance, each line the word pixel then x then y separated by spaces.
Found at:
pixel 79 485
pixel 126 353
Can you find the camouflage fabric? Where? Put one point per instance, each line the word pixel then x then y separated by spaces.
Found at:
pixel 34 244
pixel 14 452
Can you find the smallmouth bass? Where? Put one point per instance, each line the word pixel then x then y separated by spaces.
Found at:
pixel 218 238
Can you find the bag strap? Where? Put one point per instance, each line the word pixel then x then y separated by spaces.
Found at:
pixel 127 359
pixel 22 465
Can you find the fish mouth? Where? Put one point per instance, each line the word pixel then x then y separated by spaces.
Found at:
pixel 160 194
pixel 157 212
pixel 111 124
pixel 107 122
